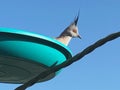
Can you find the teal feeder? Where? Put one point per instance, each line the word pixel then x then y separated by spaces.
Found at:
pixel 24 55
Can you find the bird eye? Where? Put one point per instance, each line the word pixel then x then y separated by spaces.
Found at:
pixel 74 30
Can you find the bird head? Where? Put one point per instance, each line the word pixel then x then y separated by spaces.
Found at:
pixel 72 29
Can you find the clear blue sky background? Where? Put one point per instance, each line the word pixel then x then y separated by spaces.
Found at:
pixel 99 70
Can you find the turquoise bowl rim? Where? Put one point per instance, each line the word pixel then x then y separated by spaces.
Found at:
pixel 33 37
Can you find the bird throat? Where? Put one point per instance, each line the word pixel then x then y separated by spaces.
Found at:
pixel 64 39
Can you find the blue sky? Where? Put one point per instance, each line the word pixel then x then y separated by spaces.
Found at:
pixel 98 18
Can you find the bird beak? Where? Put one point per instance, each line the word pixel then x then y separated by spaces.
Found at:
pixel 79 36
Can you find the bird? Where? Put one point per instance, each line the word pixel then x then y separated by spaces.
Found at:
pixel 70 32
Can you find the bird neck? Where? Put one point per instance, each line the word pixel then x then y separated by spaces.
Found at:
pixel 64 39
